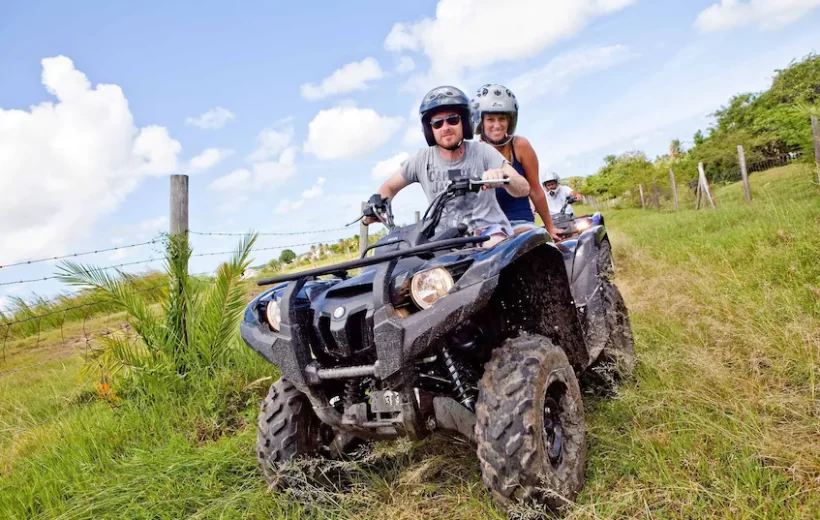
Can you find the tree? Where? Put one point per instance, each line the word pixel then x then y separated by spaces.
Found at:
pixel 274 265
pixel 287 256
pixel 675 149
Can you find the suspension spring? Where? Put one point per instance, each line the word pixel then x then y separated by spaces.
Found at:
pixel 352 392
pixel 461 390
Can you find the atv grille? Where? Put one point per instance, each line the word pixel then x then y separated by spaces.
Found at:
pixel 356 338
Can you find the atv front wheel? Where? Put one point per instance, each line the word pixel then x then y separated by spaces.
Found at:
pixel 288 428
pixel 530 428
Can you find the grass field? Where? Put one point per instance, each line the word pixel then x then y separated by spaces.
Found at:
pixel 723 420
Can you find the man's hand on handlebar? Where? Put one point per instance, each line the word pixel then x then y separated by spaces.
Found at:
pixel 492 175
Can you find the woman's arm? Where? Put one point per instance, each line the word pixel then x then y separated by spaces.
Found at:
pixel 529 160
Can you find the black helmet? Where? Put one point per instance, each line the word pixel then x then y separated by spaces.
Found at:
pixel 445 97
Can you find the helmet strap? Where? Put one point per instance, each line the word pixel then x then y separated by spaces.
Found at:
pixel 454 147
pixel 502 142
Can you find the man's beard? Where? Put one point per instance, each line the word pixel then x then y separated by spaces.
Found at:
pixel 453 147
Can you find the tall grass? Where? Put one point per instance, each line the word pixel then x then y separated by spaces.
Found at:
pixel 27 317
pixel 722 421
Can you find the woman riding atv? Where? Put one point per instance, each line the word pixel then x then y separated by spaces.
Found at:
pixel 445 119
pixel 495 117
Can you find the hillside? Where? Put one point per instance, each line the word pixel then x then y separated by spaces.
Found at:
pixel 722 421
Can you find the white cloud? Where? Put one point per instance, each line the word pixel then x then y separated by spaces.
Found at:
pixel 237 180
pixel 286 206
pixel 316 190
pixel 557 75
pixel 142 230
pixel 349 78
pixel 274 173
pixel 209 158
pixel 413 136
pixel 405 65
pixel 154 224
pixel 271 142
pixel 386 168
pixel 212 119
pixel 767 14
pixel 348 132
pixel 536 26
pixel 64 164
pixel 233 204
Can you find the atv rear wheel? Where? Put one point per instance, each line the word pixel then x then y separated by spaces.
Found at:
pixel 617 360
pixel 530 428
pixel 606 265
pixel 288 428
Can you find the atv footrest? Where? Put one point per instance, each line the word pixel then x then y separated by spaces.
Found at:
pixel 315 373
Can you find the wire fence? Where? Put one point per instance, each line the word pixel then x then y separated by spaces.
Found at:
pixel 74 314
pixel 734 174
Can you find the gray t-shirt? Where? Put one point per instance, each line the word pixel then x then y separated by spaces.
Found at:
pixel 477 210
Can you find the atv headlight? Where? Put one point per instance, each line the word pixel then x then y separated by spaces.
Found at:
pixel 582 225
pixel 273 314
pixel 428 287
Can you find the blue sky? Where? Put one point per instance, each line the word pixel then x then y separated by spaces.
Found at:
pixel 315 95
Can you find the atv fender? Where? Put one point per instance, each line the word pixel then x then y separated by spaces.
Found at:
pixel 533 295
pixel 584 278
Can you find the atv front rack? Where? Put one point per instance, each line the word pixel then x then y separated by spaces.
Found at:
pixel 373 260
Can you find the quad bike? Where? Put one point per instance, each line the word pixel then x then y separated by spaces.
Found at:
pixel 439 333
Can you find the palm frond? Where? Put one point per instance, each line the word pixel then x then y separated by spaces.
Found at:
pixel 222 305
pixel 804 109
pixel 115 290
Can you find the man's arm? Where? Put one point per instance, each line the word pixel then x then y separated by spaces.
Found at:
pixel 389 189
pixel 393 185
pixel 496 167
pixel 518 186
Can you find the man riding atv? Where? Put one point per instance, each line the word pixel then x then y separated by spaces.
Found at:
pixel 557 194
pixel 434 332
pixel 445 120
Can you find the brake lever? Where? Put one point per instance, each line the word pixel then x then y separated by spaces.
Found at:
pixel 480 183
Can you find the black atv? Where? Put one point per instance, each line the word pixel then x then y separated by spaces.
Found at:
pixel 439 333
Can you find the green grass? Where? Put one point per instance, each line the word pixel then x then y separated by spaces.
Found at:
pixel 723 420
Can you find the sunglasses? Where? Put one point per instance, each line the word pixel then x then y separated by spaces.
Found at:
pixel 452 120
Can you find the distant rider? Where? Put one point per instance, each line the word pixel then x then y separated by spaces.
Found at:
pixel 445 120
pixel 495 117
pixel 557 194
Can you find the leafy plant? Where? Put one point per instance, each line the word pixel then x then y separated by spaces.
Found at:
pixel 191 331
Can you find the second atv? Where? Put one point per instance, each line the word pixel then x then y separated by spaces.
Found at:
pixel 439 333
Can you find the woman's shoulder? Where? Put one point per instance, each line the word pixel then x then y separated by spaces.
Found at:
pixel 521 143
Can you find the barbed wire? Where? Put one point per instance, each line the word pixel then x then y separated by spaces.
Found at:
pixel 289 233
pixel 149 260
pixel 75 307
pixel 264 248
pixel 73 255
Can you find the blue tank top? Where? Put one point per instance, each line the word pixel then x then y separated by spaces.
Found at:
pixel 516 208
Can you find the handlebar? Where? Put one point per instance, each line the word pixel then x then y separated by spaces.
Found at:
pixel 380 208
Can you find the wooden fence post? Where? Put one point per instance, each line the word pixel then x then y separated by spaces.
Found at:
pixel 744 173
pixel 705 188
pixel 362 232
pixel 656 195
pixel 816 134
pixel 674 188
pixel 643 204
pixel 179 228
pixel 179 204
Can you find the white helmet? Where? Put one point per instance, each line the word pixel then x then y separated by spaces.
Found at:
pixel 550 177
pixel 494 99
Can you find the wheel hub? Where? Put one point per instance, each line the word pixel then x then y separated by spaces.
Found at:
pixel 553 431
